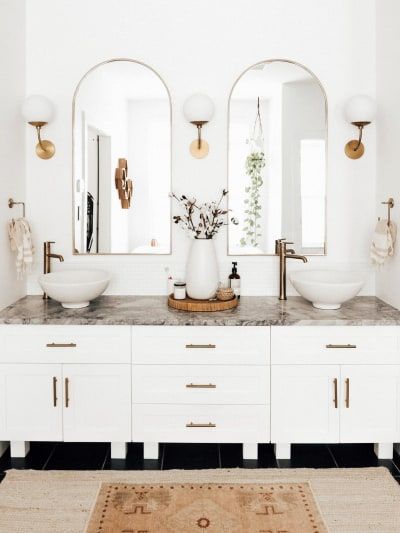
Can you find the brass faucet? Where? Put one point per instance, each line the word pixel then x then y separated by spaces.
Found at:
pixel 47 255
pixel 285 253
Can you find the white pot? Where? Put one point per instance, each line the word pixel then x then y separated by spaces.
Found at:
pixel 202 270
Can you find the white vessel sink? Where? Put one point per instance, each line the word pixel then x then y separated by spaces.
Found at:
pixel 327 289
pixel 75 288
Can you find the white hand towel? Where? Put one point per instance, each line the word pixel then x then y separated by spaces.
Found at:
pixel 20 237
pixel 383 241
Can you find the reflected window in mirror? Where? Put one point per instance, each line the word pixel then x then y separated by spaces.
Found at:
pixel 122 161
pixel 277 160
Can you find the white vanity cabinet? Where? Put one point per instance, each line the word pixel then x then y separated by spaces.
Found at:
pixel 70 383
pixel 335 384
pixel 201 384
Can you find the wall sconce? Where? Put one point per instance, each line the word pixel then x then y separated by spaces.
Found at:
pixel 198 110
pixel 38 111
pixel 360 111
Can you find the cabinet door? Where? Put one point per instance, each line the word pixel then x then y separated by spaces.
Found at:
pixel 97 403
pixel 370 403
pixel 303 406
pixel 30 402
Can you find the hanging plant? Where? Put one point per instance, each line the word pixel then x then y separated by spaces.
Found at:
pixel 255 162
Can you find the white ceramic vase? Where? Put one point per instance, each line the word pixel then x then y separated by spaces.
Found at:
pixel 202 270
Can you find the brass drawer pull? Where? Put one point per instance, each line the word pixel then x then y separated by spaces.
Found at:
pixel 54 391
pixel 66 392
pixel 347 399
pixel 195 386
pixel 335 397
pixel 341 346
pixel 200 346
pixel 61 345
pixel 209 425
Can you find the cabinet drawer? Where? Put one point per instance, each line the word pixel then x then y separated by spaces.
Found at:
pixel 201 345
pixel 201 423
pixel 335 345
pixel 65 344
pixel 192 384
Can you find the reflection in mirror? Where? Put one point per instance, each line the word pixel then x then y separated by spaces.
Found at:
pixel 277 160
pixel 122 161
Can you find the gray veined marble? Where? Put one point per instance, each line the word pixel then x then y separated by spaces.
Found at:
pixel 153 311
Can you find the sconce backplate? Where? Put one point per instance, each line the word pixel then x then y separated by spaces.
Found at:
pixel 352 151
pixel 45 150
pixel 197 152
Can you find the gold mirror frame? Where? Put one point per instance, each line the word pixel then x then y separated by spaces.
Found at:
pixel 268 61
pixel 76 92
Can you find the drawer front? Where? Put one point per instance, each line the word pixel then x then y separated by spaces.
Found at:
pixel 201 423
pixel 192 384
pixel 65 344
pixel 201 345
pixel 335 345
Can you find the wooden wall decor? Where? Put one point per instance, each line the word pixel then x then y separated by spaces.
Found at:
pixel 123 184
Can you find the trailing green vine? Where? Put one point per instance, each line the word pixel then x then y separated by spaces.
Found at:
pixel 255 162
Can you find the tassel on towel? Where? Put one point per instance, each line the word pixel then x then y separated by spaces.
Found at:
pixel 20 237
pixel 383 241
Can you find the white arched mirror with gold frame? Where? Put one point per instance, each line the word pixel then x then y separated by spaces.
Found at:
pixel 121 161
pixel 277 159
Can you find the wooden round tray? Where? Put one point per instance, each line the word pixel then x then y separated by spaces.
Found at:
pixel 201 305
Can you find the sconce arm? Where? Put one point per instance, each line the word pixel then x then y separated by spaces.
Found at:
pixel 38 128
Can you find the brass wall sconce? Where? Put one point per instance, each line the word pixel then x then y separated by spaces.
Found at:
pixel 198 110
pixel 360 111
pixel 38 111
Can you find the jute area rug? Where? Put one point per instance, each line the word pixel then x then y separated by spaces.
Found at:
pixel 340 500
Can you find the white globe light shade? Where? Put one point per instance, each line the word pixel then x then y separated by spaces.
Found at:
pixel 360 108
pixel 198 107
pixel 37 108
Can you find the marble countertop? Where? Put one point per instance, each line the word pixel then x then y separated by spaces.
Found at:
pixel 153 311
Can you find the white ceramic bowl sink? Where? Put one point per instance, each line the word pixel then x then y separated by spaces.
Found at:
pixel 75 288
pixel 327 289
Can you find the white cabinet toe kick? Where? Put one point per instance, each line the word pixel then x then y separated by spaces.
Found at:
pixel 200 384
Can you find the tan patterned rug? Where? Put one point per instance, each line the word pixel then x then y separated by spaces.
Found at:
pixel 350 500
pixel 207 508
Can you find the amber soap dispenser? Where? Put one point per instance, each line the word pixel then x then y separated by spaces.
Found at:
pixel 234 280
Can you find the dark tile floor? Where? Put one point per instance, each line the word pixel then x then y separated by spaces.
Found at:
pixel 78 456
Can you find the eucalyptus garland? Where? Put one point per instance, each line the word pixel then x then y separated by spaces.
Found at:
pixel 255 162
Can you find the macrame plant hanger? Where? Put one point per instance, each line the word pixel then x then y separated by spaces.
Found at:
pixel 257 137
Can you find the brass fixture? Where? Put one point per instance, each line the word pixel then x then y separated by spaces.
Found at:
pixel 54 391
pixel 194 386
pixel 390 204
pixel 347 399
pixel 12 203
pixel 285 253
pixel 341 346
pixel 61 345
pixel 335 398
pixel 66 392
pixel 47 255
pixel 44 149
pixel 200 346
pixel 199 110
pixel 360 111
pixel 209 425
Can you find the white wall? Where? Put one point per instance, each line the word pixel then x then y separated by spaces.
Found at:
pixel 388 127
pixel 203 46
pixel 12 129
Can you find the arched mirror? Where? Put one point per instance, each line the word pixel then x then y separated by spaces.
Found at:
pixel 122 161
pixel 277 160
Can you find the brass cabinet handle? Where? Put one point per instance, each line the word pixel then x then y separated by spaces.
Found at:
pixel 335 397
pixel 200 386
pixel 61 345
pixel 54 391
pixel 209 425
pixel 341 346
pixel 200 346
pixel 347 398
pixel 66 392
